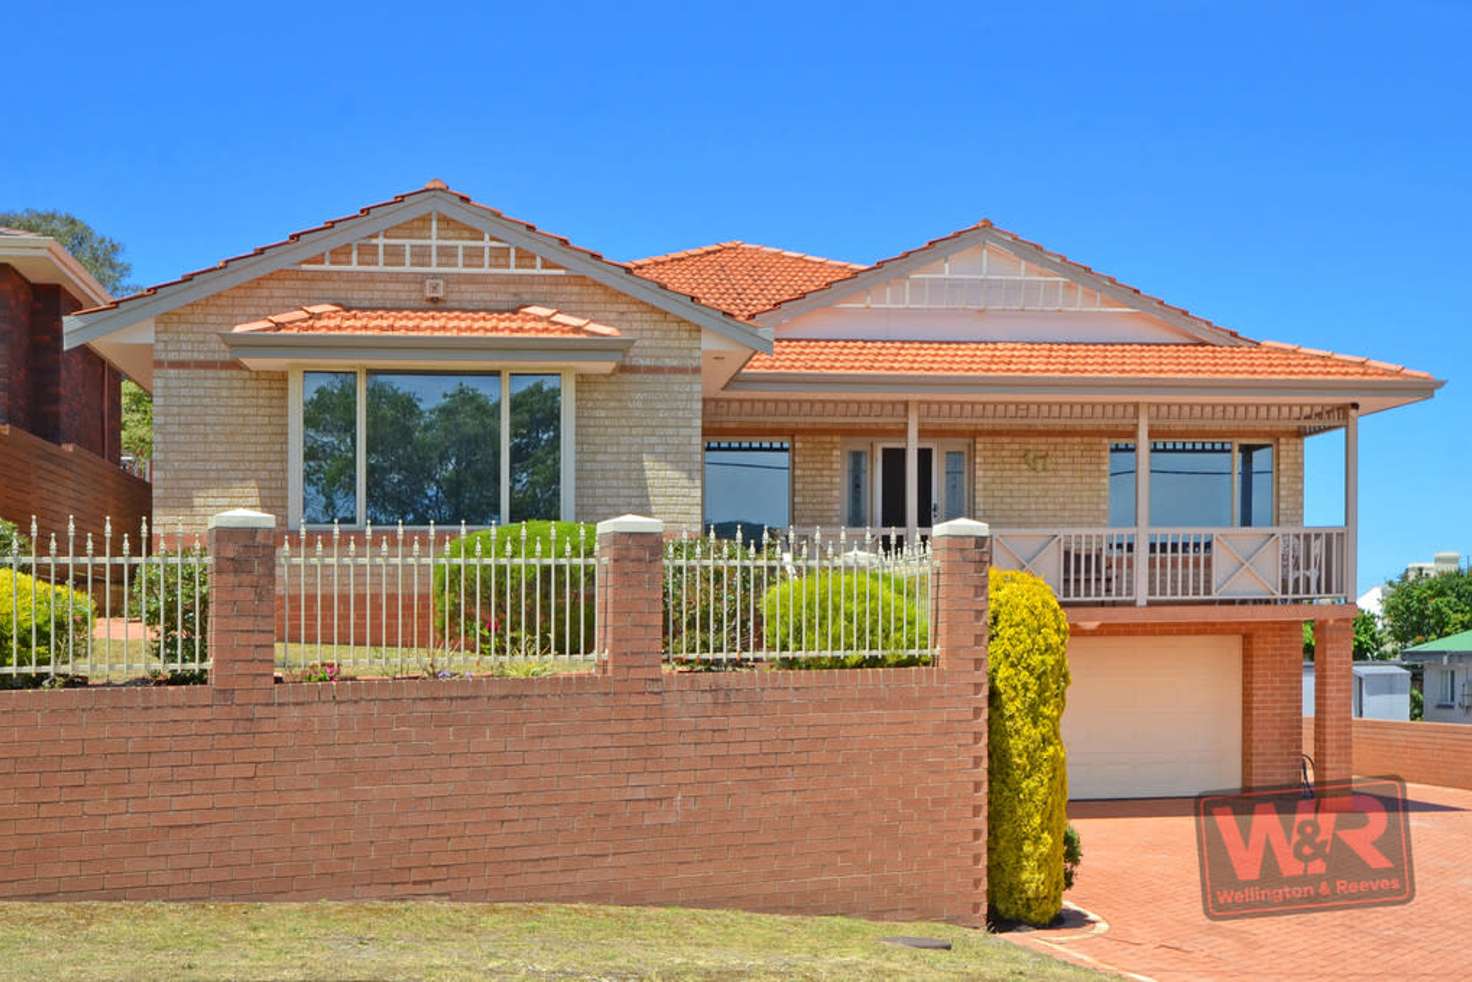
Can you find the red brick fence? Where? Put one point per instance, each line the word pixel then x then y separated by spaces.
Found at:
pixel 1419 752
pixel 859 792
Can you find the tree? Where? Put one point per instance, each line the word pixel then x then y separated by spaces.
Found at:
pixel 1425 608
pixel 101 256
pixel 1369 638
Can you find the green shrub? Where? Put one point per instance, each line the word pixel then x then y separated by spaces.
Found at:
pixel 170 594
pixel 1027 823
pixel 509 619
pixel 1073 856
pixel 13 542
pixel 37 618
pixel 875 613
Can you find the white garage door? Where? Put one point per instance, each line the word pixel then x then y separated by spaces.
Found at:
pixel 1153 717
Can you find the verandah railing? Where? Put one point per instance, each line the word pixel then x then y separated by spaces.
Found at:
pixel 103 607
pixel 784 594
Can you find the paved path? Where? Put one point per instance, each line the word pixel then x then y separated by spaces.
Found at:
pixel 1139 876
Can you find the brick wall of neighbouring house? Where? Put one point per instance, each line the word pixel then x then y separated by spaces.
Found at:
pixel 220 432
pixel 1040 482
pixel 15 347
pixel 1413 750
pixel 53 482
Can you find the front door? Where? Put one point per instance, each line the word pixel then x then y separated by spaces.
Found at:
pixel 893 495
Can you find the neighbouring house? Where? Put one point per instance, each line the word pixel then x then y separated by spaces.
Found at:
pixel 431 359
pixel 60 404
pixel 1380 691
pixel 1446 682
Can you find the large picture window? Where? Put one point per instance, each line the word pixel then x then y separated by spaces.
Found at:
pixel 1195 483
pixel 748 485
pixel 422 447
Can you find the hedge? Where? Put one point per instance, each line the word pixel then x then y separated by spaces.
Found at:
pixel 1028 787
pixel 508 619
pixel 840 611
pixel 37 618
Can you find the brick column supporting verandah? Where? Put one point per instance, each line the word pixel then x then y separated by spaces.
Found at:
pixel 1333 699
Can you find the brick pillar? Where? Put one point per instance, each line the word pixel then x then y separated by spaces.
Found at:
pixel 1272 704
pixel 1333 705
pixel 242 631
pixel 631 596
pixel 963 556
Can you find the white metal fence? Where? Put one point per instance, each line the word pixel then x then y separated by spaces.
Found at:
pixel 790 595
pixel 102 608
pixel 429 602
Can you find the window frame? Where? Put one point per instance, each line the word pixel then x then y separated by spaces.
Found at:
pixel 295 502
pixel 788 438
pixel 1448 689
pixel 1235 476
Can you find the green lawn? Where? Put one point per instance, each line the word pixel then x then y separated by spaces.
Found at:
pixel 476 941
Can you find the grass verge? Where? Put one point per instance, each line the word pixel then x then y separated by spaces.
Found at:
pixel 434 941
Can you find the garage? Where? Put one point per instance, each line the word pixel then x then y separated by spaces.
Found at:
pixel 1153 717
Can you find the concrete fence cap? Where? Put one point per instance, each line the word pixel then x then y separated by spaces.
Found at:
pixel 961 527
pixel 631 523
pixel 242 518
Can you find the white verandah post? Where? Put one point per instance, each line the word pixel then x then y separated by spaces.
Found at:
pixel 1351 500
pixel 1142 505
pixel 912 472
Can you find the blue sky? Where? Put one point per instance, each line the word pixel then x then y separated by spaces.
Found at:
pixel 1293 172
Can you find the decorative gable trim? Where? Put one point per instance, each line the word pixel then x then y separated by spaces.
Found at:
pixel 982 235
pixel 97 323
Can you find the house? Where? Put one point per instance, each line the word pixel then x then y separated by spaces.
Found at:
pixel 431 359
pixel 60 404
pixel 1380 691
pixel 1446 685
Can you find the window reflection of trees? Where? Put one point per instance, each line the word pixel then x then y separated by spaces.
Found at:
pixel 536 447
pixel 329 447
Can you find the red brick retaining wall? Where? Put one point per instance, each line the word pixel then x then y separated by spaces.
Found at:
pixel 855 792
pixel 1419 752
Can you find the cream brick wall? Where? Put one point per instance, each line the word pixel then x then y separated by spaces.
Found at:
pixel 221 433
pixel 1031 482
pixel 817 480
pixel 1289 464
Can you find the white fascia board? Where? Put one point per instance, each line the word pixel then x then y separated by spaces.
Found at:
pixel 78 329
pixel 875 275
pixel 67 271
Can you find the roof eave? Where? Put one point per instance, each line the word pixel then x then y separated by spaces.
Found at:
pixel 1400 391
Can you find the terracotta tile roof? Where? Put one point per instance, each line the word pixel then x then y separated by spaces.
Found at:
pixel 739 278
pixel 526 322
pixel 1267 360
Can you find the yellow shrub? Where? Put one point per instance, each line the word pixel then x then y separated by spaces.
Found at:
pixel 1028 778
pixel 35 617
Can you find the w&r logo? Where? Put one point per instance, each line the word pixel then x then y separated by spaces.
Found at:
pixel 1277 851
